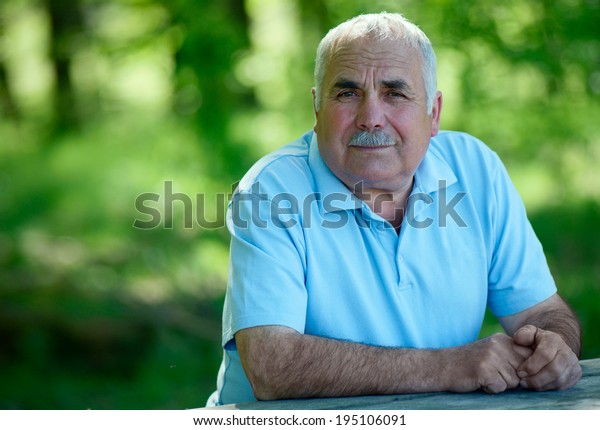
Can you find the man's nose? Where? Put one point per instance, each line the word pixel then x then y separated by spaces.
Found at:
pixel 370 115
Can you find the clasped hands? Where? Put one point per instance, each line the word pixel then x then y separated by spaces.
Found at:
pixel 532 358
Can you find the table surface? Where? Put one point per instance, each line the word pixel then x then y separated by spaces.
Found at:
pixel 584 395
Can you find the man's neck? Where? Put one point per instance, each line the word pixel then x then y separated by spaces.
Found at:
pixel 390 205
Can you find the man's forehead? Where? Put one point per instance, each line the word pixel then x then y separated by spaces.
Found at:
pixel 368 52
pixel 390 59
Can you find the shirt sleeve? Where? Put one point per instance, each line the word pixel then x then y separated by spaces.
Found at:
pixel 519 276
pixel 267 266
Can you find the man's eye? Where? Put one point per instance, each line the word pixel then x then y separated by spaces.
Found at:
pixel 396 94
pixel 346 94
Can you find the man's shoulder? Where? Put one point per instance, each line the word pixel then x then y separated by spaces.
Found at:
pixel 462 150
pixel 286 166
pixel 447 140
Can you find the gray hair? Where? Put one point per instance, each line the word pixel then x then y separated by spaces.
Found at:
pixel 381 26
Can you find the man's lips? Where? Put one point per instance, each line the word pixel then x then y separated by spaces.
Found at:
pixel 370 147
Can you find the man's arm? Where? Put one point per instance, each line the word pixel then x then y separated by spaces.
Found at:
pixel 282 363
pixel 553 332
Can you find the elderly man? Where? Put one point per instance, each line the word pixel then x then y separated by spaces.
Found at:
pixel 364 254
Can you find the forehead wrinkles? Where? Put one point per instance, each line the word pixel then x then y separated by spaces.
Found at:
pixel 360 57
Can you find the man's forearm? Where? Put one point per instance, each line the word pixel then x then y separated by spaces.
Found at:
pixel 310 366
pixel 281 363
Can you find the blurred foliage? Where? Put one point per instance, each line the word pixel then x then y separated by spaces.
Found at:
pixel 102 101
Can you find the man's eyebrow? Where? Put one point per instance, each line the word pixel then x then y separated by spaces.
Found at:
pixel 345 83
pixel 397 84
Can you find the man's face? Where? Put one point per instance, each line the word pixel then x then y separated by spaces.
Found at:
pixel 375 86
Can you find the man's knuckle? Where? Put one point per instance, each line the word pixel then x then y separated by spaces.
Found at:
pixel 534 384
pixel 481 368
pixel 547 354
pixel 513 381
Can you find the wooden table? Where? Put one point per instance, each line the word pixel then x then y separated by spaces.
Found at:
pixel 585 395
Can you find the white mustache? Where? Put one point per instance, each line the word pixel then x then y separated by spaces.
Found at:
pixel 373 139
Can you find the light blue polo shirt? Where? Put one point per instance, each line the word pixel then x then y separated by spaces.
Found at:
pixel 307 254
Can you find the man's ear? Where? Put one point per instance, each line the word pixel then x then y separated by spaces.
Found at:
pixel 314 94
pixel 436 113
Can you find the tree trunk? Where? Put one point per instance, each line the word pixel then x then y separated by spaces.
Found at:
pixel 8 107
pixel 66 24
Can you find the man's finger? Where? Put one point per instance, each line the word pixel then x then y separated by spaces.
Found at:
pixel 547 346
pixel 525 336
pixel 540 358
pixel 496 385
pixel 510 377
pixel 552 379
pixel 540 380
pixel 521 353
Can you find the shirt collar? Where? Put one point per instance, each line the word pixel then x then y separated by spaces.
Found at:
pixel 432 175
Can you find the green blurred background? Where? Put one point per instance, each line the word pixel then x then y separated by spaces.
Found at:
pixel 101 101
